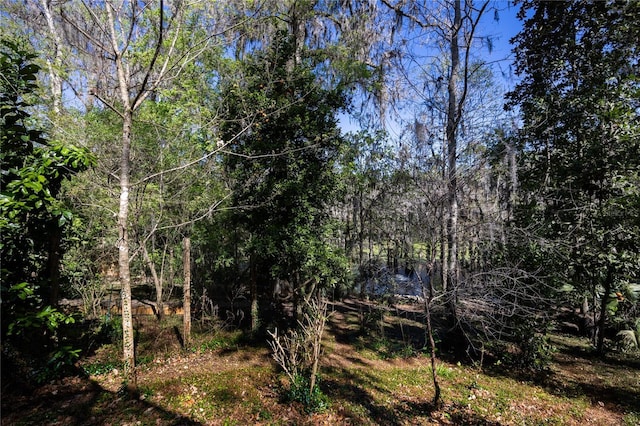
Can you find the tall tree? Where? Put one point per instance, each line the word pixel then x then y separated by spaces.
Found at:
pixel 134 49
pixel 447 32
pixel 284 168
pixel 580 104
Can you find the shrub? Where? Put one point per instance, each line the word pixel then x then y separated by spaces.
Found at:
pixel 298 354
pixel 528 346
pixel 313 400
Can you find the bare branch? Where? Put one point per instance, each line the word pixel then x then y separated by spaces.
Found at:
pixel 142 92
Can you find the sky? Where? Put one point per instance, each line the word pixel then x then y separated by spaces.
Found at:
pixel 501 31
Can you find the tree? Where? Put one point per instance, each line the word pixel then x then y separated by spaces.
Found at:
pixel 283 169
pixel 449 30
pixel 580 107
pixel 33 219
pixel 134 50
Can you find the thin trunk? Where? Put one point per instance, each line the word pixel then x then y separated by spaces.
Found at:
pixel 347 234
pixel 297 30
pixel 124 259
pixel 453 114
pixel 54 64
pixel 608 283
pixel 186 304
pixel 513 179
pixel 123 253
pixel 318 323
pixel 361 220
pixel 255 320
pixel 299 297
pixel 157 281
pixel 53 264
pixel 444 253
pixel 427 307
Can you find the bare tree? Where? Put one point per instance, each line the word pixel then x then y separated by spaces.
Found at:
pixel 298 353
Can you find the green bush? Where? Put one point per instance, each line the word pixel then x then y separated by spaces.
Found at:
pixel 111 329
pixel 314 401
pixel 527 348
pixel 532 341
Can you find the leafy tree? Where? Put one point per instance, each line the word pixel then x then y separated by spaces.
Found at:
pixel 33 219
pixel 127 54
pixel 579 98
pixel 283 169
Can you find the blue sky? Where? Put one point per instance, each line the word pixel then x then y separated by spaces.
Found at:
pixel 501 32
pixel 505 28
pixel 501 58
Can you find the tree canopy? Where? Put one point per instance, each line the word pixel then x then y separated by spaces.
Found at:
pixel 33 217
pixel 581 143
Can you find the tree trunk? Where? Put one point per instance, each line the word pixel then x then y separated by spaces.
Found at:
pixel 444 253
pixel 53 264
pixel 54 64
pixel 513 179
pixel 453 114
pixel 157 282
pixel 602 320
pixel 427 307
pixel 123 252
pixel 361 220
pixel 186 290
pixel 255 321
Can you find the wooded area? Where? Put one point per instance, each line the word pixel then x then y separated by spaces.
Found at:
pixel 252 166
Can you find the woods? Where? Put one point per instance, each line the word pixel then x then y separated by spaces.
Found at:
pixel 249 163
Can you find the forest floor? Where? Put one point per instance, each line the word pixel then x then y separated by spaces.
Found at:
pixel 369 380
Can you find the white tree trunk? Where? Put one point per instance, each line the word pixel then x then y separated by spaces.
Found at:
pixel 123 253
pixel 123 212
pixel 54 63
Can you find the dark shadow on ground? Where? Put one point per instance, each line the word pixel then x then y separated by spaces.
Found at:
pixel 391 330
pixel 352 391
pixel 612 381
pixel 602 380
pixel 79 401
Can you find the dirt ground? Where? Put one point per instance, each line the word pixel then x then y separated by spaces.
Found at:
pixel 241 385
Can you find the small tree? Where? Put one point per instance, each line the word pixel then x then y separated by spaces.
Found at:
pixel 298 354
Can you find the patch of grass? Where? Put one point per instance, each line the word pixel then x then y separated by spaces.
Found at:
pixel 221 340
pixel 444 372
pixel 382 348
pixel 313 400
pixel 145 359
pixel 577 407
pixel 632 419
pixel 214 395
pixel 100 368
pixel 502 400
pixel 146 392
